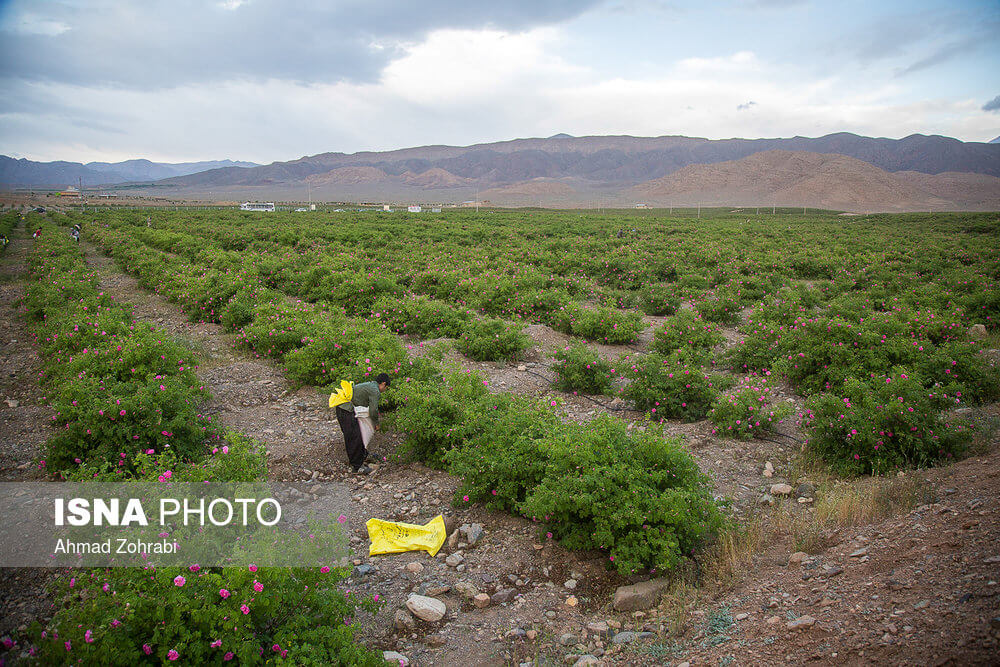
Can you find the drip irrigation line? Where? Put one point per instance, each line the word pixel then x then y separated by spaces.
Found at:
pixel 592 400
pixel 778 442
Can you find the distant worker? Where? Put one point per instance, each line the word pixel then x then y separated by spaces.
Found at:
pixel 75 233
pixel 38 232
pixel 362 404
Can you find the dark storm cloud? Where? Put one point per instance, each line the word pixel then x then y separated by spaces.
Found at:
pixel 992 105
pixel 162 43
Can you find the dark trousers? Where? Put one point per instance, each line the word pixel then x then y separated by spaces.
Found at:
pixel 353 443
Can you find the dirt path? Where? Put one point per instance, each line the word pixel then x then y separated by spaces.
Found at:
pixel 23 431
pixel 22 405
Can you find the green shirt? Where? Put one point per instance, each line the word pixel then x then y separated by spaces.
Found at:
pixel 366 394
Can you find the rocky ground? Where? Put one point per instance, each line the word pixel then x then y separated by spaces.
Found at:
pixel 914 588
pixel 23 429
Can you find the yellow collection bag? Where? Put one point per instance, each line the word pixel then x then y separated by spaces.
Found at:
pixel 342 395
pixel 391 537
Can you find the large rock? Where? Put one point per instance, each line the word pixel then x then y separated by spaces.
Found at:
pixel 641 596
pixel 630 637
pixel 395 658
pixel 599 628
pixel 506 595
pixel 798 557
pixel 425 608
pixel 801 623
pixel 453 539
pixel 781 490
pixel 977 331
pixel 472 533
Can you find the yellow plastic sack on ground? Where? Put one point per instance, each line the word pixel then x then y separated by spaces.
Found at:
pixel 391 537
pixel 342 395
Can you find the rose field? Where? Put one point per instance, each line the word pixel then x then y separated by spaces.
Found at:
pixel 712 438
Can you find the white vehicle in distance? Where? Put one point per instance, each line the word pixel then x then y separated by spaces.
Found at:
pixel 265 206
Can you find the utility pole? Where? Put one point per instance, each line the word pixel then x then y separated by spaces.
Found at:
pixel 699 211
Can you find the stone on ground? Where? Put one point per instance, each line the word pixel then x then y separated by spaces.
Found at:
pixel 425 608
pixel 641 596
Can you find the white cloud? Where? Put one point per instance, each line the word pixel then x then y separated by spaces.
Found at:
pixel 462 87
pixel 451 65
pixel 742 61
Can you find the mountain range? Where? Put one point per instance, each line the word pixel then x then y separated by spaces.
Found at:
pixel 28 173
pixel 840 171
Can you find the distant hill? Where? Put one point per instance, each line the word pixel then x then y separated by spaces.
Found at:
pixel 621 160
pixel 28 173
pixel 995 141
pixel 838 171
pixel 789 178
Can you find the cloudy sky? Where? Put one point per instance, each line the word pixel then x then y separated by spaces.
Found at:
pixel 266 80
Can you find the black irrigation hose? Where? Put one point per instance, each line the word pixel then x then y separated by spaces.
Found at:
pixel 777 442
pixel 593 400
pixel 614 409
